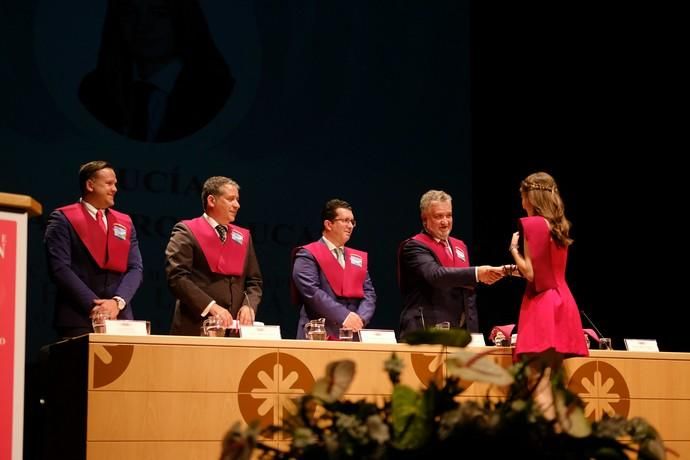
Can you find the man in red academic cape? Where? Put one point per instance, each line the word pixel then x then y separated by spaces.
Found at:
pixel 330 280
pixel 211 264
pixel 93 254
pixel 436 280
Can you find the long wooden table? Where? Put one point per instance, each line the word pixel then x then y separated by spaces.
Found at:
pixel 172 397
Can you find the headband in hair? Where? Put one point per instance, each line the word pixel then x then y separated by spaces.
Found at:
pixel 532 186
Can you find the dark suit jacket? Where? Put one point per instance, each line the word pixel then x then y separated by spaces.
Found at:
pixel 79 280
pixel 433 293
pixel 194 284
pixel 319 300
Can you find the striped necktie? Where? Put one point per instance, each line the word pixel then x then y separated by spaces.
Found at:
pixel 449 251
pixel 340 256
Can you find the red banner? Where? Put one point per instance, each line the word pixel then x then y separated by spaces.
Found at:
pixel 8 278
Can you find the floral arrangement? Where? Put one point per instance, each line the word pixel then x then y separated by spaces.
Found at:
pixel 434 422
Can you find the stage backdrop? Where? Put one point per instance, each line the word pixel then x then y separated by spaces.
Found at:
pixel 307 100
pixel 299 102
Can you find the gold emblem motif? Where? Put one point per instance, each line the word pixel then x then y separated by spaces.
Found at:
pixel 602 388
pixel 110 362
pixel 268 386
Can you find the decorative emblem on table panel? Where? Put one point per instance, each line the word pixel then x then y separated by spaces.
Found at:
pixel 428 367
pixel 603 389
pixel 266 376
pixel 110 362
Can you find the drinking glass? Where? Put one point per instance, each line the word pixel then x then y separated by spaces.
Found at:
pixel 500 340
pixel 605 343
pixel 345 334
pixel 213 327
pixel 98 321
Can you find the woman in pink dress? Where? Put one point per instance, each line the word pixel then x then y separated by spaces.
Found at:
pixel 549 327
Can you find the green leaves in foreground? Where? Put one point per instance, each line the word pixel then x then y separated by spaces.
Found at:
pixel 438 421
pixel 410 415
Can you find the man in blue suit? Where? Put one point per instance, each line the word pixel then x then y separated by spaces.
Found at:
pixel 330 280
pixel 436 280
pixel 93 254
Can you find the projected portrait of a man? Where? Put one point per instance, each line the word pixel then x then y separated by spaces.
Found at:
pixel 159 75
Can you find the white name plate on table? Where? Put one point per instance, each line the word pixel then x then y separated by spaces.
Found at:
pixel 477 340
pixel 377 336
pixel 260 332
pixel 641 345
pixel 126 327
pixel 236 324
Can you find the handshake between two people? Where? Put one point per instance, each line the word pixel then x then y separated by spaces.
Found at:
pixel 489 274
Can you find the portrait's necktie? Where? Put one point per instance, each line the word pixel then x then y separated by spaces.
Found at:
pixel 140 96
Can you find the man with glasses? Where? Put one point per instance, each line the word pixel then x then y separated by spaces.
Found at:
pixel 330 280
pixel 436 280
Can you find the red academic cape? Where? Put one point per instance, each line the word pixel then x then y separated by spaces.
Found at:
pixel 111 251
pixel 460 257
pixel 345 282
pixel 223 258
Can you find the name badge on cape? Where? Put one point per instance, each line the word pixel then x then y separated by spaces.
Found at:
pixel 236 237
pixel 119 231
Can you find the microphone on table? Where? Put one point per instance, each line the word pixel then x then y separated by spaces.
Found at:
pixel 604 342
pixel 591 323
